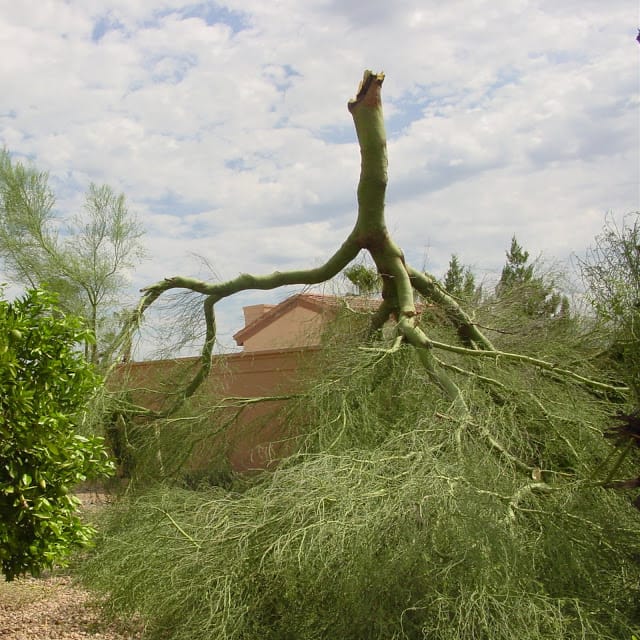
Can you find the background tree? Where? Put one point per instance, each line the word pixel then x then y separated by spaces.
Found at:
pixel 459 280
pixel 517 270
pixel 534 295
pixel 83 260
pixel 364 279
pixel 45 385
pixel 611 272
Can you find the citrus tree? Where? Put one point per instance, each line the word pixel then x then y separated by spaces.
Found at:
pixel 45 384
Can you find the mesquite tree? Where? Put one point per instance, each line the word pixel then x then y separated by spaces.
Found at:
pixel 399 280
pixel 84 261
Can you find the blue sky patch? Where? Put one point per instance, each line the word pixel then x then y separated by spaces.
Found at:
pixel 171 203
pixel 209 12
pixel 171 69
pixel 237 164
pixel 282 76
pixel 212 13
pixel 104 25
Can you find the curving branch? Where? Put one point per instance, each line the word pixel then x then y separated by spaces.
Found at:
pixel 469 333
pixel 535 362
pixel 399 281
pixel 369 233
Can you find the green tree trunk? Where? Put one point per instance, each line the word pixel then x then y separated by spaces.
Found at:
pixel 370 233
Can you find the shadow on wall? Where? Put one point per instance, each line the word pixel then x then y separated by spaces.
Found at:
pixel 254 431
pixel 280 348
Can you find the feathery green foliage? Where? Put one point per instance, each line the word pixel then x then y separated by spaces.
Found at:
pixel 460 499
pixel 611 270
pixel 394 519
pixel 364 278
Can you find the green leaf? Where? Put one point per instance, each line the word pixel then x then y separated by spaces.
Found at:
pixel 45 384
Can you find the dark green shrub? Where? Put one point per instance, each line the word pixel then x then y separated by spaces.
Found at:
pixel 45 384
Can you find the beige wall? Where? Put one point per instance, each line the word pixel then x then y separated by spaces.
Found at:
pixel 274 354
pixel 299 326
pixel 246 375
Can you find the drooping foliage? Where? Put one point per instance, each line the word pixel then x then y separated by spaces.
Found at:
pixel 394 518
pixel 45 384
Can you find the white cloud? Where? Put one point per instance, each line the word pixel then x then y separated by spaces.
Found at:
pixel 226 124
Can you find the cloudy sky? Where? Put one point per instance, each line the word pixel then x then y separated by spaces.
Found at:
pixel 225 124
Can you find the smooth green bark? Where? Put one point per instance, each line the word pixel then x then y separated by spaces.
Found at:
pixel 370 233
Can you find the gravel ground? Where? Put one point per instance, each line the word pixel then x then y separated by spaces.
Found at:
pixel 53 608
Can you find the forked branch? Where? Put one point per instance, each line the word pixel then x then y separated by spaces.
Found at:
pixel 399 281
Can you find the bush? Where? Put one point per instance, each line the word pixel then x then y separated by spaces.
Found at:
pixel 45 384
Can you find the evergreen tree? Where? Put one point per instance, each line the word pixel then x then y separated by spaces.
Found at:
pixel 459 281
pixel 534 294
pixel 516 271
